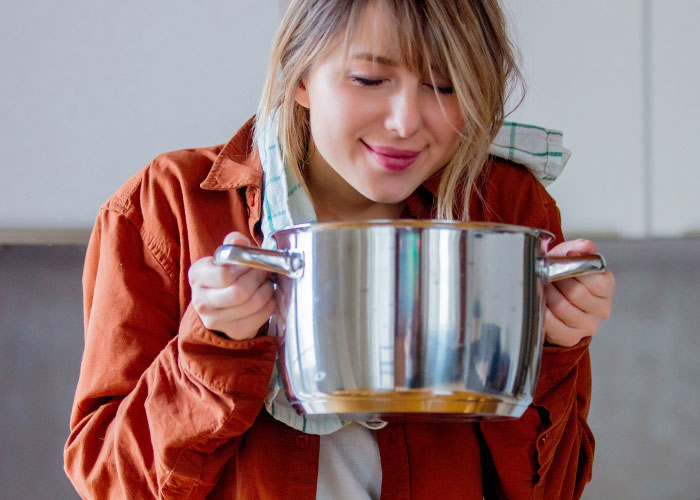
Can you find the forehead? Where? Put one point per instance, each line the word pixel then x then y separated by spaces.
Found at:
pixel 375 28
pixel 382 36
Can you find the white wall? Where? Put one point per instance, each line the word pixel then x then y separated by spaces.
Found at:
pixel 583 66
pixel 91 91
pixel 675 107
pixel 620 78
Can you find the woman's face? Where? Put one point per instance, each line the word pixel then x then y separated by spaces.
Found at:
pixel 378 130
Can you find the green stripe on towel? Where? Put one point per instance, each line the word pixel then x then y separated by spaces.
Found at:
pixel 524 125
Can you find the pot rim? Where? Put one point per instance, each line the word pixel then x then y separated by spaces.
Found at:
pixel 419 224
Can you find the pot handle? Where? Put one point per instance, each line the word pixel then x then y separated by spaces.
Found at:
pixel 558 268
pixel 289 264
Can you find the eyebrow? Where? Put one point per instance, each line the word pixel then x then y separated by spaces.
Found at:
pixel 367 56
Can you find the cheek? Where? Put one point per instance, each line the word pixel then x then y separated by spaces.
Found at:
pixel 332 113
pixel 355 113
pixel 447 133
pixel 450 128
pixel 338 125
pixel 445 121
pixel 452 119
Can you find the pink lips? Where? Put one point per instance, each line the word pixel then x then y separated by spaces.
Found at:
pixel 393 158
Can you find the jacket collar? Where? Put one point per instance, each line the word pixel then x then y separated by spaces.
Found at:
pixel 238 166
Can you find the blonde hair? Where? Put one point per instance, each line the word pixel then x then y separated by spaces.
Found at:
pixel 466 41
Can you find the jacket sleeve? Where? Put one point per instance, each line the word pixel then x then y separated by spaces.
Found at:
pixel 162 402
pixel 548 452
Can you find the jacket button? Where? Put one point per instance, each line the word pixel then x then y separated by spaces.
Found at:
pixel 302 441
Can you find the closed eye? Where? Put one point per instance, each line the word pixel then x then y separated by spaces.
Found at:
pixel 366 82
pixel 445 90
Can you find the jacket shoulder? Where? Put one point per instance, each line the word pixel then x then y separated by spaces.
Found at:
pixel 165 179
pixel 162 201
pixel 510 194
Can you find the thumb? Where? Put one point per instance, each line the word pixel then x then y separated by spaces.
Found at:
pixel 573 247
pixel 236 238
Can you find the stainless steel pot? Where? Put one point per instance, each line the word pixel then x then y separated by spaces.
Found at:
pixel 387 317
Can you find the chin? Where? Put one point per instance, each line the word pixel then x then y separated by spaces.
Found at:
pixel 387 198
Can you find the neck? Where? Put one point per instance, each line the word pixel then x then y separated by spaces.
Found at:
pixel 334 204
pixel 333 212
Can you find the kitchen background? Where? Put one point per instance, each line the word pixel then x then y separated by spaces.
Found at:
pixel 91 91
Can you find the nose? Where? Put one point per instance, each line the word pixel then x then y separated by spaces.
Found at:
pixel 404 115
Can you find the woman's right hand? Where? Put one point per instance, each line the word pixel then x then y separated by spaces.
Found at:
pixel 233 300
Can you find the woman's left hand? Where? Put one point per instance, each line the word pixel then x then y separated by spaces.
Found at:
pixel 576 306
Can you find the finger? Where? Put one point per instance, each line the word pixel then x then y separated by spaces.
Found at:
pixel 568 313
pixel 578 294
pixel 558 333
pixel 204 273
pixel 237 322
pixel 600 285
pixel 261 298
pixel 249 326
pixel 239 292
pixel 223 315
pixel 236 238
pixel 573 247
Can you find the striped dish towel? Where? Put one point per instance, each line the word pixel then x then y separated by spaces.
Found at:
pixel 286 202
pixel 537 148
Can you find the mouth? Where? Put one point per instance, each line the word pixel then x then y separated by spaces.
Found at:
pixel 392 158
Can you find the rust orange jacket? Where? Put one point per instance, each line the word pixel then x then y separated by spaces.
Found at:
pixel 165 408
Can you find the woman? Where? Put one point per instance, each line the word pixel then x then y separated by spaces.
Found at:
pixel 374 122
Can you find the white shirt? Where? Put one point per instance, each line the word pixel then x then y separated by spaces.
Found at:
pixel 349 467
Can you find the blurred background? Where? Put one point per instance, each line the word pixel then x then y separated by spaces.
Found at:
pixel 92 91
